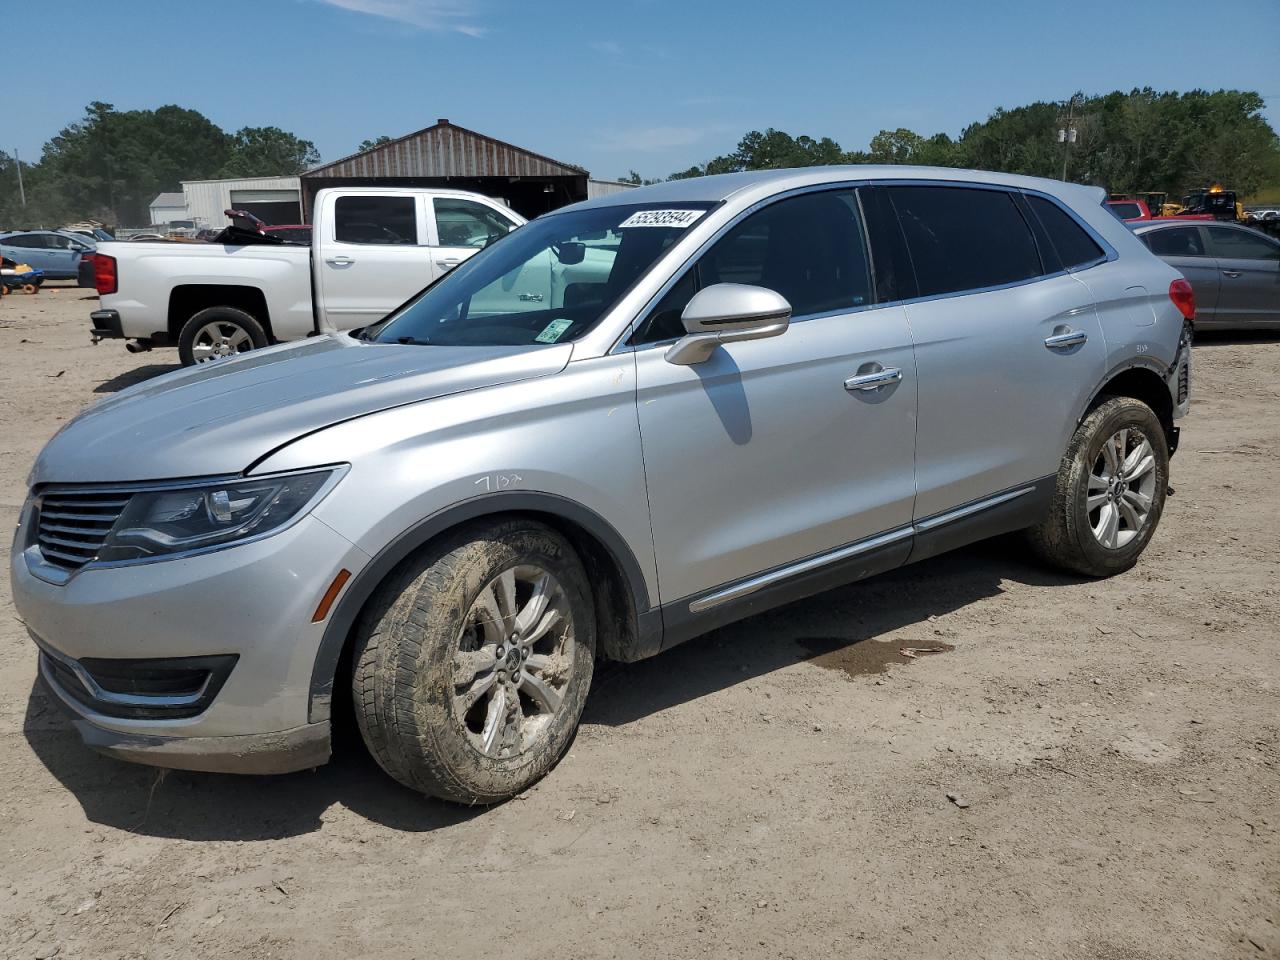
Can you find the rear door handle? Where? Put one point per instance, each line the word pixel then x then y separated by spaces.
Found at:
pixel 339 261
pixel 873 381
pixel 1231 273
pixel 1072 338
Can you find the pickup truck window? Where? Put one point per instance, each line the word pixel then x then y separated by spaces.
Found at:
pixel 1122 210
pixel 548 282
pixel 465 223
pixel 381 220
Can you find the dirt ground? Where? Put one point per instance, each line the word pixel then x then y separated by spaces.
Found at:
pixel 776 789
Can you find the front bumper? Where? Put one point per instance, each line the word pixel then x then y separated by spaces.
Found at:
pixel 250 604
pixel 284 751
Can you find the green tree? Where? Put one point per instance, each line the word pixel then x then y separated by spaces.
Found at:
pixel 896 146
pixel 110 165
pixel 769 150
pixel 370 144
pixel 639 181
pixel 268 152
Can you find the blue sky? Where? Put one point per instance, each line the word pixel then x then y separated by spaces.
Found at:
pixel 651 85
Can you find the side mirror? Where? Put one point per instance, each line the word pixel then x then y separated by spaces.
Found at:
pixel 727 313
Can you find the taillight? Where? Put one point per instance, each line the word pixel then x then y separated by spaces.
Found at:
pixel 1183 297
pixel 104 274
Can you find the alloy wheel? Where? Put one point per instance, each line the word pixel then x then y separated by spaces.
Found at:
pixel 514 661
pixel 217 339
pixel 1122 488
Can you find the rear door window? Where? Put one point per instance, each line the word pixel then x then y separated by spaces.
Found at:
pixel 377 220
pixel 1175 242
pixel 961 238
pixel 1070 241
pixel 1238 245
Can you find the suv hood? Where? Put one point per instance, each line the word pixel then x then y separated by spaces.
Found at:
pixel 220 418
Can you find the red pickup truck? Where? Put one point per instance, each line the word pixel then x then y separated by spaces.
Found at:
pixel 1130 209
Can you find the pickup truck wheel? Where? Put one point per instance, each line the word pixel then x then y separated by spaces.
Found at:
pixel 218 332
pixel 1110 491
pixel 473 661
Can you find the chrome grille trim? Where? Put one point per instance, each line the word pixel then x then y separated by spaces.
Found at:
pixel 71 526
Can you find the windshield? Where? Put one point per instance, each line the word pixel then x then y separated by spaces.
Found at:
pixel 549 281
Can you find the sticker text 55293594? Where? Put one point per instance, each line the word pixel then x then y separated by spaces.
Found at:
pixel 677 219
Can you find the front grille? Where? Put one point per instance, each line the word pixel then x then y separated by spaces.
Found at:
pixel 73 526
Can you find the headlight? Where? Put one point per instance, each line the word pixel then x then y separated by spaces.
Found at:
pixel 158 522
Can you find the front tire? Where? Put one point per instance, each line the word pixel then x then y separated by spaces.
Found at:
pixel 473 661
pixel 219 332
pixel 1109 493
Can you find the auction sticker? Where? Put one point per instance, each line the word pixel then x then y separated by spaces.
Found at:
pixel 672 219
pixel 553 331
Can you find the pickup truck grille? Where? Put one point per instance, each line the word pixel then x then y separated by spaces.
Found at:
pixel 72 527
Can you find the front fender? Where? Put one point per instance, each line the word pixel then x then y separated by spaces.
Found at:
pixel 362 586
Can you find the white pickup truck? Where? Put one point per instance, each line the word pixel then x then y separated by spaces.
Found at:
pixel 372 249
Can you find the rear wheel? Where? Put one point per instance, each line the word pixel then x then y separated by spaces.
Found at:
pixel 219 332
pixel 1109 493
pixel 473 662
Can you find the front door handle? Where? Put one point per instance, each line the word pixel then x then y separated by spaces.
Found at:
pixel 1072 338
pixel 449 262
pixel 1231 273
pixel 874 380
pixel 339 261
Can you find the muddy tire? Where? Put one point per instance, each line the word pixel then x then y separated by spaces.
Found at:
pixel 1109 493
pixel 473 661
pixel 219 332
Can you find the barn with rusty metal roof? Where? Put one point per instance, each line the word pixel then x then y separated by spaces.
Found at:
pixel 447 155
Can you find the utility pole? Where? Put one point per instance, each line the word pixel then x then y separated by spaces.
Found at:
pixel 1067 132
pixel 21 191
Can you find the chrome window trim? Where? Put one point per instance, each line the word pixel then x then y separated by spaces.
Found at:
pixel 42 569
pixel 1109 252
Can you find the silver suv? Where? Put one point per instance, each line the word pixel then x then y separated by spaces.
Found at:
pixel 622 425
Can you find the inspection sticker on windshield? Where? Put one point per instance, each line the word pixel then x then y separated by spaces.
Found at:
pixel 677 219
pixel 553 331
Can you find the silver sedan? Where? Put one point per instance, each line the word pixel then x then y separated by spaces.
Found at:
pixel 1234 270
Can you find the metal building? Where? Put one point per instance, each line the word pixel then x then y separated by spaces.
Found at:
pixel 272 199
pixel 167 207
pixel 604 188
pixel 446 155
